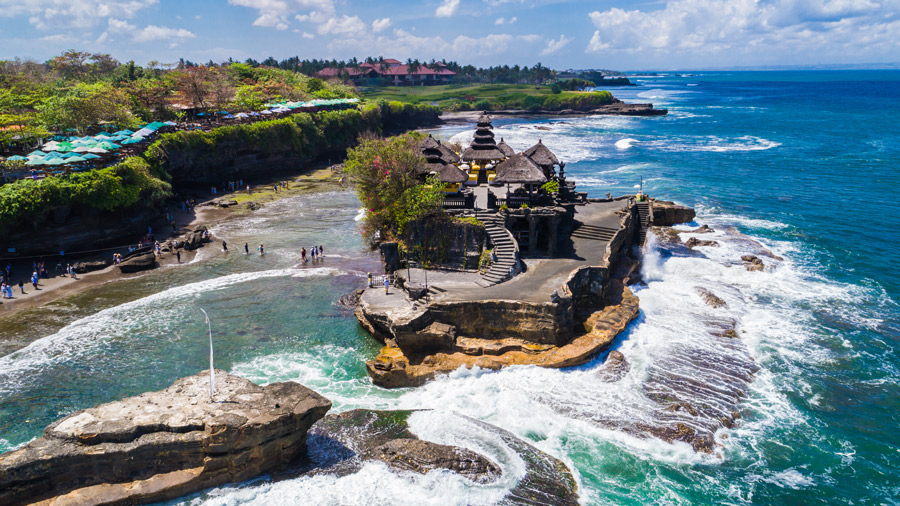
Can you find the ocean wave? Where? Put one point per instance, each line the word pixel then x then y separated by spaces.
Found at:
pixel 627 143
pixel 717 144
pixel 160 312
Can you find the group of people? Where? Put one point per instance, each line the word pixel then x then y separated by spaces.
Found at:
pixel 315 253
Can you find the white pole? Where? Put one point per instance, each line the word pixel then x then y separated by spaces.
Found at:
pixel 212 371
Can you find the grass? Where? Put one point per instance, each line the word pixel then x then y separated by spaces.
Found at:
pixel 316 181
pixel 450 97
pixel 451 92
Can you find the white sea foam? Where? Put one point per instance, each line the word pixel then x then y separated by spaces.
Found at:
pixel 626 143
pixel 159 311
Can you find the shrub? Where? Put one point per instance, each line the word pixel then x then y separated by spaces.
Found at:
pixel 555 88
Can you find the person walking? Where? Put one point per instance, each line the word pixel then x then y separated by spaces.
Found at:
pixel 246 248
pixel 22 287
pixel 224 246
pixel 178 256
pixel 387 284
pixel 34 280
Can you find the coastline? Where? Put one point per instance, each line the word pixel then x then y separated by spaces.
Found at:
pixel 207 212
pixel 616 109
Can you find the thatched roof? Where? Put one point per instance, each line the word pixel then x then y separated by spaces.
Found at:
pixel 541 155
pixel 484 119
pixel 450 174
pixel 482 153
pixel 430 143
pixel 519 169
pixel 505 148
pixel 447 154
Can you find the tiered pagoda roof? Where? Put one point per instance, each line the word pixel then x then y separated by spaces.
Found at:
pixel 541 155
pixel 434 158
pixel 484 147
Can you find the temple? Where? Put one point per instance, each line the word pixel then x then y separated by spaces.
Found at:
pixel 519 269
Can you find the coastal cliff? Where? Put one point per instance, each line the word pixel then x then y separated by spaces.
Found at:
pixel 160 445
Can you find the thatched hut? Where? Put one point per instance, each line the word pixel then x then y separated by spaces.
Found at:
pixel 519 169
pixel 541 155
pixel 448 173
pixel 505 148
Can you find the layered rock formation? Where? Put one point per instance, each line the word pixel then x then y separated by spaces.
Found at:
pixel 666 214
pixel 160 445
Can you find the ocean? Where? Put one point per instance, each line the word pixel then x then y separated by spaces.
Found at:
pixel 800 168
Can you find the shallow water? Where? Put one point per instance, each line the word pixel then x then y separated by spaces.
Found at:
pixel 803 164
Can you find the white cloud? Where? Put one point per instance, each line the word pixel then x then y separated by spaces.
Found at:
pixel 447 8
pixel 343 24
pixel 380 25
pixel 307 35
pixel 504 21
pixel 402 44
pixel 735 30
pixel 148 33
pixel 44 14
pixel 555 45
pixel 276 13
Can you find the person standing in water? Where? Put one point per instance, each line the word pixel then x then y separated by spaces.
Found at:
pixel 178 256
pixel 262 249
pixel 303 255
pixel 321 252
pixel 224 246
pixel 246 248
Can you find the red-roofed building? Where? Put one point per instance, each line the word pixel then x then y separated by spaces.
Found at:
pixel 393 72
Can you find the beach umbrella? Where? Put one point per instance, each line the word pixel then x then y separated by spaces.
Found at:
pixel 265 112
pixel 81 149
pixel 254 113
pixel 68 155
pixel 76 159
pixel 98 150
pixel 36 161
pixel 241 115
pixel 228 116
pixel 109 146
pixel 18 158
pixel 37 152
pixel 124 132
pixel 144 132
pixel 170 123
pixel 54 161
pixel 89 156
pixel 50 146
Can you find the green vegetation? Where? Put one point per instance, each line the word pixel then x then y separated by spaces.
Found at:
pixel 118 187
pixel 550 187
pixel 492 97
pixel 386 173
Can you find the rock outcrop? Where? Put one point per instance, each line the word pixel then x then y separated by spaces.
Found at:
pixel 666 214
pixel 711 298
pixel 90 266
pixel 614 368
pixel 753 263
pixel 341 443
pixel 161 445
pixel 137 263
pixel 197 238
pixel 693 242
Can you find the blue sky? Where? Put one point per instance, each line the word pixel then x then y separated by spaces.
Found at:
pixel 561 34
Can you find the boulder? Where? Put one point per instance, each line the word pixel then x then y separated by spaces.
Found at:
pixel 90 266
pixel 226 203
pixel 614 368
pixel 195 239
pixel 437 336
pixel 143 262
pixel 693 242
pixel 424 456
pixel 350 300
pixel 753 263
pixel 165 444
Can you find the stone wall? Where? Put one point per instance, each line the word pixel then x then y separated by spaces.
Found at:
pixel 445 243
pixel 540 323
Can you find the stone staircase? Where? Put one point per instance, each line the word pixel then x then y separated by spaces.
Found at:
pixel 592 232
pixel 504 247
pixel 482 176
pixel 644 221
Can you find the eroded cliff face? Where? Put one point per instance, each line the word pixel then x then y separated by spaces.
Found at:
pixel 666 214
pixel 448 243
pixel 164 444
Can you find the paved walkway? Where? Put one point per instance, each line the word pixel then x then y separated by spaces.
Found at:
pixel 541 276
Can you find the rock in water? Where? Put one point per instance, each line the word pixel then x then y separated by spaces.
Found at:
pixel 753 263
pixel 711 298
pixel 614 368
pixel 161 445
pixel 693 242
pixel 350 301
pixel 195 239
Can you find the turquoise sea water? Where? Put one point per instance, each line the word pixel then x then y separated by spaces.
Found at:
pixel 804 164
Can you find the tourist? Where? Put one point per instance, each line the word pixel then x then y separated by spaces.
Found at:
pixel 312 253
pixel 248 190
pixel 387 284
pixel 261 249
pixel 303 255
pixel 34 279
pixel 321 252
pixel 224 246
pixel 246 249
pixel 178 256
pixel 22 287
pixel 3 290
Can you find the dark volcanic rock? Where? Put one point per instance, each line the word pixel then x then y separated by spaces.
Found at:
pixel 350 300
pixel 340 444
pixel 90 266
pixel 138 263
pixel 703 229
pixel 161 445
pixel 693 242
pixel 614 368
pixel 195 239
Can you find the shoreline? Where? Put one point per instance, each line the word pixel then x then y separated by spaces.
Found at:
pixel 206 212
pixel 615 109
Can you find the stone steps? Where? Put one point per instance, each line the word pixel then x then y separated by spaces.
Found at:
pixel 504 248
pixel 644 221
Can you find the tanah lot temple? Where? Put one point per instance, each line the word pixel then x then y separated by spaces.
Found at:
pixel 539 276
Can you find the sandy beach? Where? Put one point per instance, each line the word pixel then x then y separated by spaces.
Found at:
pixel 206 212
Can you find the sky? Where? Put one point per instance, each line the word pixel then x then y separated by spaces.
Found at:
pixel 561 34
